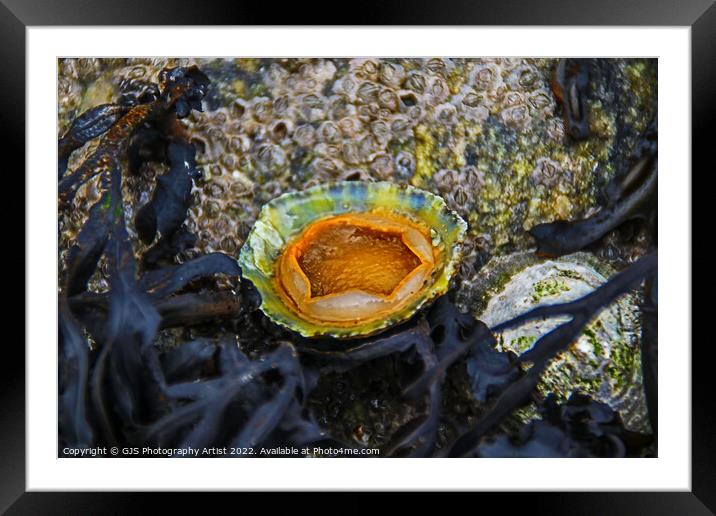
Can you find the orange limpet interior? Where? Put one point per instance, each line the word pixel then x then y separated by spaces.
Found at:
pixel 339 257
pixel 356 267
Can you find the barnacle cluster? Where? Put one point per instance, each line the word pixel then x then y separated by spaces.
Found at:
pixel 486 134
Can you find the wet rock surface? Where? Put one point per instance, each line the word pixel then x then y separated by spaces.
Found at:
pixel 488 135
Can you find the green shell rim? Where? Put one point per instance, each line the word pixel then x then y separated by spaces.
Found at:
pixel 285 216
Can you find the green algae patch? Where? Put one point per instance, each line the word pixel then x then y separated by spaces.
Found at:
pixel 548 288
pixel 424 149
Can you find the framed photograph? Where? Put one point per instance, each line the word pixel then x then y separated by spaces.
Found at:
pixel 434 247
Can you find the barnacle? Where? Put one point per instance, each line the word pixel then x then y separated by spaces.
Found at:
pixel 352 258
pixel 506 116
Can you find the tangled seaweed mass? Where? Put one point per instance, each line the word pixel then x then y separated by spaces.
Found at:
pixel 165 165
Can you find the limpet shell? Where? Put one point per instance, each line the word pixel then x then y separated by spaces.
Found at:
pixel 352 258
pixel 605 362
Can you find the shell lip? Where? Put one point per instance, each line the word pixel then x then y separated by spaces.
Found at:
pixel 278 222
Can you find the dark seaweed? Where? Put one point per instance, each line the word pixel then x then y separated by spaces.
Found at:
pixel 213 415
pixel 461 335
pixel 163 282
pixel 74 426
pixel 187 361
pixel 146 145
pixel 166 210
pixel 121 385
pixel 137 91
pixel 570 81
pixel 86 127
pixel 90 243
pixel 581 427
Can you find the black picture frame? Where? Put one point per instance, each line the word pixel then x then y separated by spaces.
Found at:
pixel 17 15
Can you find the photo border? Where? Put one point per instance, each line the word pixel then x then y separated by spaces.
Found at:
pixel 16 16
